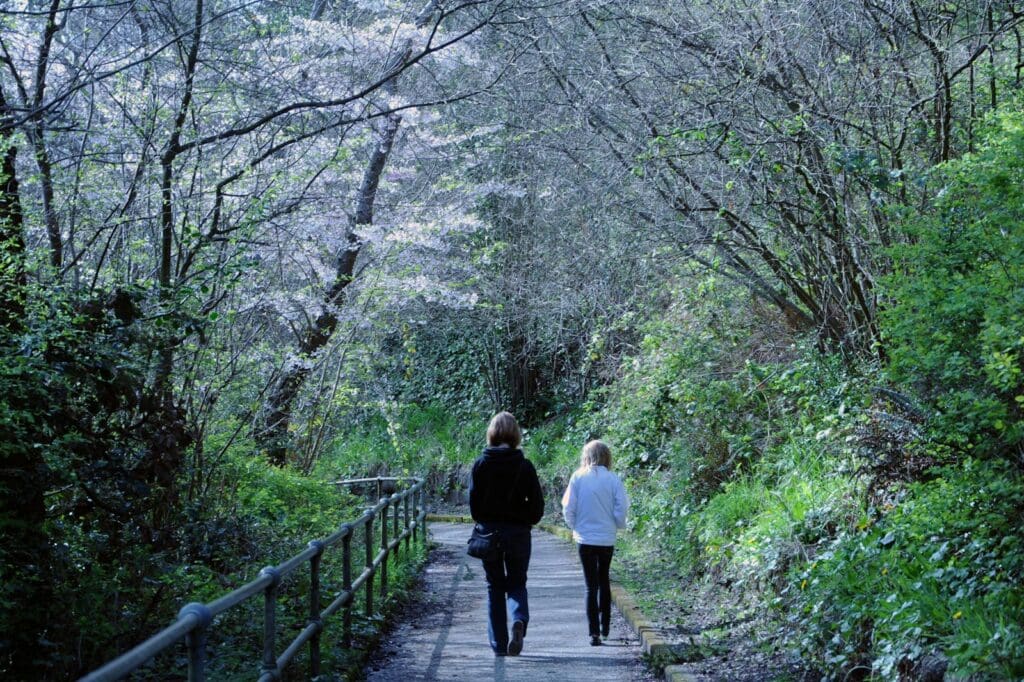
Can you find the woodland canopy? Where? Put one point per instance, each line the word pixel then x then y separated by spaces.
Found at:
pixel 248 246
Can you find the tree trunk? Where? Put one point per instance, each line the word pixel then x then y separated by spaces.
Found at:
pixel 12 235
pixel 24 546
pixel 274 435
pixel 37 135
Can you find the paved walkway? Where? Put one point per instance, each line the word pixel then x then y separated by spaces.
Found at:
pixel 443 636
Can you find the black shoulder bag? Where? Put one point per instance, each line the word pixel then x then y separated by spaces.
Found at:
pixel 488 546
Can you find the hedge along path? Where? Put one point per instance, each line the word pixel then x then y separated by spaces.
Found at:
pixel 442 634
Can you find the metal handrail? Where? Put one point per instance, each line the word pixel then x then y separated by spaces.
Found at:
pixel 194 619
pixel 378 480
pixel 375 479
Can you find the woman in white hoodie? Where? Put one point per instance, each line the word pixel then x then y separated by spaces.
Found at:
pixel 595 504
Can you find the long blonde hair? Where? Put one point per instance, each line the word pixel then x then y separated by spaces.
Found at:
pixel 595 453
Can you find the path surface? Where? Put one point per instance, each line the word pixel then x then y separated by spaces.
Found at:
pixel 443 635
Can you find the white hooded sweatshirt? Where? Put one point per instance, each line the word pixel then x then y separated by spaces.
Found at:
pixel 594 506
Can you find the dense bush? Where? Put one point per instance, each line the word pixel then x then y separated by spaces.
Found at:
pixel 934 567
pixel 689 399
pixel 955 327
pixel 136 523
pixel 402 439
pixel 728 433
pixel 87 430
pixel 942 571
pixel 801 480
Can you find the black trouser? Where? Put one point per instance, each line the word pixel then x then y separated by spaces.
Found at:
pixel 596 560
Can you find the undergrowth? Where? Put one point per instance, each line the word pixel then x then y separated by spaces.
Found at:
pixel 263 516
pixel 794 480
pixel 787 483
pixel 940 571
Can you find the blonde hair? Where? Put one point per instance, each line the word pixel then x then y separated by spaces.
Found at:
pixel 504 429
pixel 595 453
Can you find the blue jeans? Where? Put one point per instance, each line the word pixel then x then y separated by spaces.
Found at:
pixel 596 560
pixel 506 583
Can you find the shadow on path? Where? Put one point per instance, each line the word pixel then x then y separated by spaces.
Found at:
pixel 446 625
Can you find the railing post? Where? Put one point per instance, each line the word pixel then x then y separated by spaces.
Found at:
pixel 405 508
pixel 269 666
pixel 369 564
pixel 196 641
pixel 421 514
pixel 346 581
pixel 415 501
pixel 314 607
pixel 384 549
pixel 380 488
pixel 394 518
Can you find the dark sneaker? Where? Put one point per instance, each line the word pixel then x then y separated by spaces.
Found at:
pixel 515 645
pixel 604 631
pixel 595 640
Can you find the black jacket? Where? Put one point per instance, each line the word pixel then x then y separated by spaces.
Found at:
pixel 491 495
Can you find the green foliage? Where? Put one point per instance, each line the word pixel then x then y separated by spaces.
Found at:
pixel 555 445
pixel 262 514
pixel 136 521
pixel 955 328
pixel 84 431
pixel 734 463
pixel 554 448
pixel 792 516
pixel 942 570
pixel 688 400
pixel 438 364
pixel 286 503
pixel 759 522
pixel 395 439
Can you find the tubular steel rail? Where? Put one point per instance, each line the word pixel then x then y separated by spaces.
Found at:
pixel 194 619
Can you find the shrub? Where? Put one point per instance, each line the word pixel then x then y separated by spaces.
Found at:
pixel 942 571
pixel 955 328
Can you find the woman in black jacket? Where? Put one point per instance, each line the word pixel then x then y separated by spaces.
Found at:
pixel 505 496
